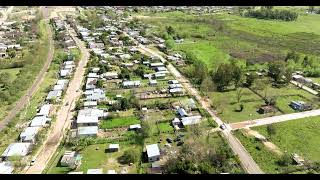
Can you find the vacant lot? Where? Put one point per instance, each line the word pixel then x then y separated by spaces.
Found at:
pixel 300 136
pixel 229 109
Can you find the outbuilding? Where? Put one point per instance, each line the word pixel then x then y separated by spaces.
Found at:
pixel 113 148
pixel 17 149
pixel 153 152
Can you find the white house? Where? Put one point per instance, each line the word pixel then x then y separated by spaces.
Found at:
pixel 153 152
pixel 6 167
pixel 17 149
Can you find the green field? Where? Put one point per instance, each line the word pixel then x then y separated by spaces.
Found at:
pixel 266 159
pixel 299 136
pixel 252 39
pixel 119 122
pixel 13 72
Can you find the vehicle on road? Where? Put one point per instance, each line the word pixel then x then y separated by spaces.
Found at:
pixel 223 126
pixel 33 161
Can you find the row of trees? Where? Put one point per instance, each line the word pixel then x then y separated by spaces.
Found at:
pixel 265 13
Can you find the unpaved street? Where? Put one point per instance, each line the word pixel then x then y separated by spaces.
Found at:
pixel 64 115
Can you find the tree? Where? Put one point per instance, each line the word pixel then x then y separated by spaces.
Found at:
pixel 293 56
pixel 140 70
pixel 271 130
pixel 237 75
pixel 223 76
pixel 170 30
pixel 311 9
pixel 239 94
pixel 250 80
pixel 124 103
pixel 277 70
pixel 285 160
pixel 145 129
pixel 5 78
pixel 124 74
pixel 100 83
pixel 130 156
pixel 207 85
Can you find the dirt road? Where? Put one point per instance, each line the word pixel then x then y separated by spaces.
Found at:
pixel 20 104
pixel 247 161
pixel 64 115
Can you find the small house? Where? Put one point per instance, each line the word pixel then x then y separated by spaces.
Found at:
pixel 70 159
pixel 159 75
pixel 182 112
pixel 54 95
pixel 88 131
pixel 173 82
pixel 6 167
pixel 135 127
pixel 95 171
pixel 176 91
pixel 153 82
pixel 29 134
pixel 266 109
pixel 176 122
pixel 300 106
pixel 113 148
pixel 298 159
pixel 186 121
pixel 131 84
pixel 45 110
pixel 17 149
pixel 110 75
pixel 40 121
pixel 112 172
pixel 90 104
pixel 153 152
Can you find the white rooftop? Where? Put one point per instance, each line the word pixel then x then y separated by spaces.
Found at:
pixel 39 121
pixel 191 120
pixel 112 172
pixel 94 171
pixel 88 130
pixel 45 110
pixel 17 149
pixel 6 167
pixel 113 146
pixel 153 150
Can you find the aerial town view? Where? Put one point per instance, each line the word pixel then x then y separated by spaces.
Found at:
pixel 159 90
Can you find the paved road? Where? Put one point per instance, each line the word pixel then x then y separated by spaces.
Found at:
pixel 64 115
pixel 304 87
pixel 274 119
pixel 247 161
pixel 24 100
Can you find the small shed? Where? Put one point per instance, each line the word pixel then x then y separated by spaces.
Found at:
pixel 94 171
pixel 70 159
pixel 182 112
pixel 153 152
pixel 176 122
pixel 153 82
pixel 112 172
pixel 113 148
pixel 29 134
pixel 89 131
pixel 191 120
pixel 135 127
pixel 6 167
pixel 266 109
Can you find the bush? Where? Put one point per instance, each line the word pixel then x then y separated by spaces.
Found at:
pixel 129 156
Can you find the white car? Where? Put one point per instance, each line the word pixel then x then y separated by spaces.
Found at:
pixel 223 126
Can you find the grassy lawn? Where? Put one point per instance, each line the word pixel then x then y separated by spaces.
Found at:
pixel 119 122
pixel 54 164
pixel 229 105
pixel 298 136
pixel 13 72
pixel 92 158
pixel 287 94
pixel 205 51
